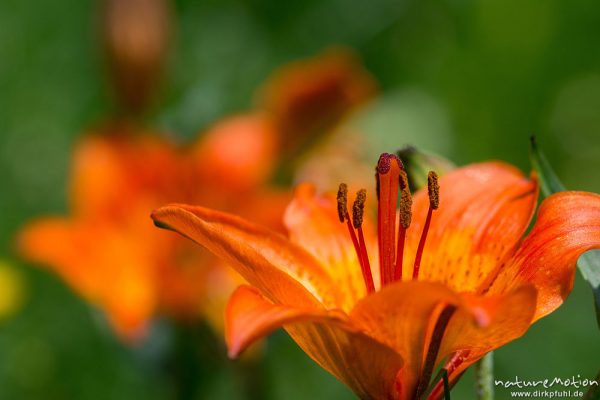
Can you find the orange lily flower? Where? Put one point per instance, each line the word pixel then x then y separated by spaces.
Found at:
pixel 109 252
pixel 445 278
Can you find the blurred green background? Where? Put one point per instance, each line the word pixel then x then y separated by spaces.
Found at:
pixel 468 79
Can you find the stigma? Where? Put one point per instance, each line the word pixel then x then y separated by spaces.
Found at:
pixel 394 217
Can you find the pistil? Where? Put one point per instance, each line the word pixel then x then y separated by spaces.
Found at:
pixel 388 173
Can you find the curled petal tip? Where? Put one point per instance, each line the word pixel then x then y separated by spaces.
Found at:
pixel 481 317
pixel 155 216
pixel 233 352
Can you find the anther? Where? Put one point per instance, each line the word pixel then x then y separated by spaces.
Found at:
pixel 405 218
pixel 342 201
pixel 405 201
pixel 358 208
pixel 433 188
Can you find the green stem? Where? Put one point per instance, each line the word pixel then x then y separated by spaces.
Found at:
pixel 446 385
pixel 484 377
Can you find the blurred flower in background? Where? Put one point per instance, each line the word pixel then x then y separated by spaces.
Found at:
pixel 135 35
pixel 308 97
pixel 108 250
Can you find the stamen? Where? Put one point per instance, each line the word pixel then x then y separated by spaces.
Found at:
pixel 357 242
pixel 433 188
pixel 358 209
pixel 405 218
pixel 342 201
pixel 405 208
pixel 388 172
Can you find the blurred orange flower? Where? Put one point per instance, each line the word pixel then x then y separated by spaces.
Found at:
pixel 308 97
pixel 450 280
pixel 107 249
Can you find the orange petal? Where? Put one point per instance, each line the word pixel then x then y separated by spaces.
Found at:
pixel 484 211
pixel 567 225
pixel 313 223
pixel 249 316
pixel 120 164
pixel 97 177
pixel 238 152
pixel 498 320
pixel 402 316
pixel 265 206
pixel 284 272
pixel 366 366
pixel 105 266
pixel 57 242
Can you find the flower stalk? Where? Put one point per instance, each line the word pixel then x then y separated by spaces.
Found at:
pixel 484 377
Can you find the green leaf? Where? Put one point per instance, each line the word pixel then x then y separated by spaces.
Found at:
pixel 588 263
pixel 548 180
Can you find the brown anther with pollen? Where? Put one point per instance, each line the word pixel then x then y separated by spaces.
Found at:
pixel 358 208
pixel 434 190
pixel 404 222
pixel 342 201
pixel 405 201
